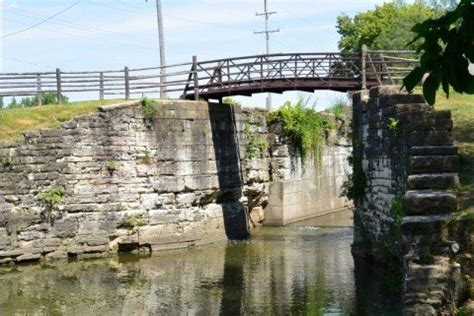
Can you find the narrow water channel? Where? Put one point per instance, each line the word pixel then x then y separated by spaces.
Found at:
pixel 279 271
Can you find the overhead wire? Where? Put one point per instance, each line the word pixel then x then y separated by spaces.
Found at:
pixel 29 14
pixel 43 21
pixel 86 37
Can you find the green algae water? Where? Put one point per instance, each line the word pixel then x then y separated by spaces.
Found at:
pixel 279 271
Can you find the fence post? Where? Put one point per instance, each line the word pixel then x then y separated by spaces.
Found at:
pixel 364 67
pixel 196 79
pixel 101 83
pixel 59 93
pixel 127 83
pixel 39 95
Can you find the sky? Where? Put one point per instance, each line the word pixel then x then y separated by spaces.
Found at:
pixel 111 34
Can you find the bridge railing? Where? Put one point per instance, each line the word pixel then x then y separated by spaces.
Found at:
pixel 228 75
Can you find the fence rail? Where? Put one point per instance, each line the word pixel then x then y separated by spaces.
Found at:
pixel 216 78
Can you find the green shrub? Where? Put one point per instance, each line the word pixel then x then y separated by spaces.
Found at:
pixel 356 183
pixel 231 101
pixel 394 125
pixel 305 128
pixel 149 109
pixel 254 147
pixel 52 197
pixel 46 98
pixel 132 222
pixel 112 166
pixel 339 107
pixel 7 160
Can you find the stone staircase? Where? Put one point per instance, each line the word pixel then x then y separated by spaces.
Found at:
pixel 433 282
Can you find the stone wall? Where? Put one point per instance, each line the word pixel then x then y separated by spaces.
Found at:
pixel 406 152
pixel 131 180
pixel 302 190
pixel 135 177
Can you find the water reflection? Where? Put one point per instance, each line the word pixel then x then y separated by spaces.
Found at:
pixel 280 271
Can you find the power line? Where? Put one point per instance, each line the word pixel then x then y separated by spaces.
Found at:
pixel 28 62
pixel 88 38
pixel 91 29
pixel 267 33
pixel 43 21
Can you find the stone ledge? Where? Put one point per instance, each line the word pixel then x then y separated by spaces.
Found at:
pixel 433 181
pixel 434 164
pixel 424 225
pixel 429 203
pixel 434 150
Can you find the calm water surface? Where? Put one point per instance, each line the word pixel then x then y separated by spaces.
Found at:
pixel 279 271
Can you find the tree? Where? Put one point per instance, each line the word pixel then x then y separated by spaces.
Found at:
pixel 387 26
pixel 447 50
pixel 13 104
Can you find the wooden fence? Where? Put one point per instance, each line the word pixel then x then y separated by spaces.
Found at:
pixel 224 76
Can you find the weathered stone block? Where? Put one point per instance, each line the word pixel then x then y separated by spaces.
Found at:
pixel 434 151
pixel 434 181
pixel 434 164
pixel 430 138
pixel 429 203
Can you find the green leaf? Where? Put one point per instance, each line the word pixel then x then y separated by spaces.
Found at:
pixel 445 84
pixel 430 86
pixel 413 78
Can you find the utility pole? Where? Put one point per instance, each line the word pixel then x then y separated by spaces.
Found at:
pixel 266 14
pixel 161 37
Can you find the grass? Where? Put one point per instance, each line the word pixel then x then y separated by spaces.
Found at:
pixel 14 122
pixel 462 109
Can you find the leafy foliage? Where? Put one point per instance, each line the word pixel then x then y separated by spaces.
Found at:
pixel 394 125
pixel 7 160
pixel 447 49
pixel 47 98
pixel 231 101
pixel 387 26
pixel 339 108
pixel 112 166
pixel 356 183
pixel 132 222
pixel 254 147
pixel 305 128
pixel 51 197
pixel 149 109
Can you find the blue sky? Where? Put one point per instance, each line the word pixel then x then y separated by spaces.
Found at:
pixel 109 34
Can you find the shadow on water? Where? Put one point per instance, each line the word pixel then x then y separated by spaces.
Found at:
pixel 233 281
pixel 227 153
pixel 377 290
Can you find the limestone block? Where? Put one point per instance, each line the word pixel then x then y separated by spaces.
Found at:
pixel 434 164
pixel 429 203
pixel 435 181
pixel 97 238
pixel 186 199
pixel 66 227
pixel 213 210
pixel 4 239
pixel 158 217
pixel 150 201
pixel 28 257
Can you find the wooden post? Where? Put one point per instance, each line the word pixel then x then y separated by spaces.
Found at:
pixel 127 83
pixel 101 83
pixel 196 79
pixel 39 95
pixel 59 93
pixel 364 67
